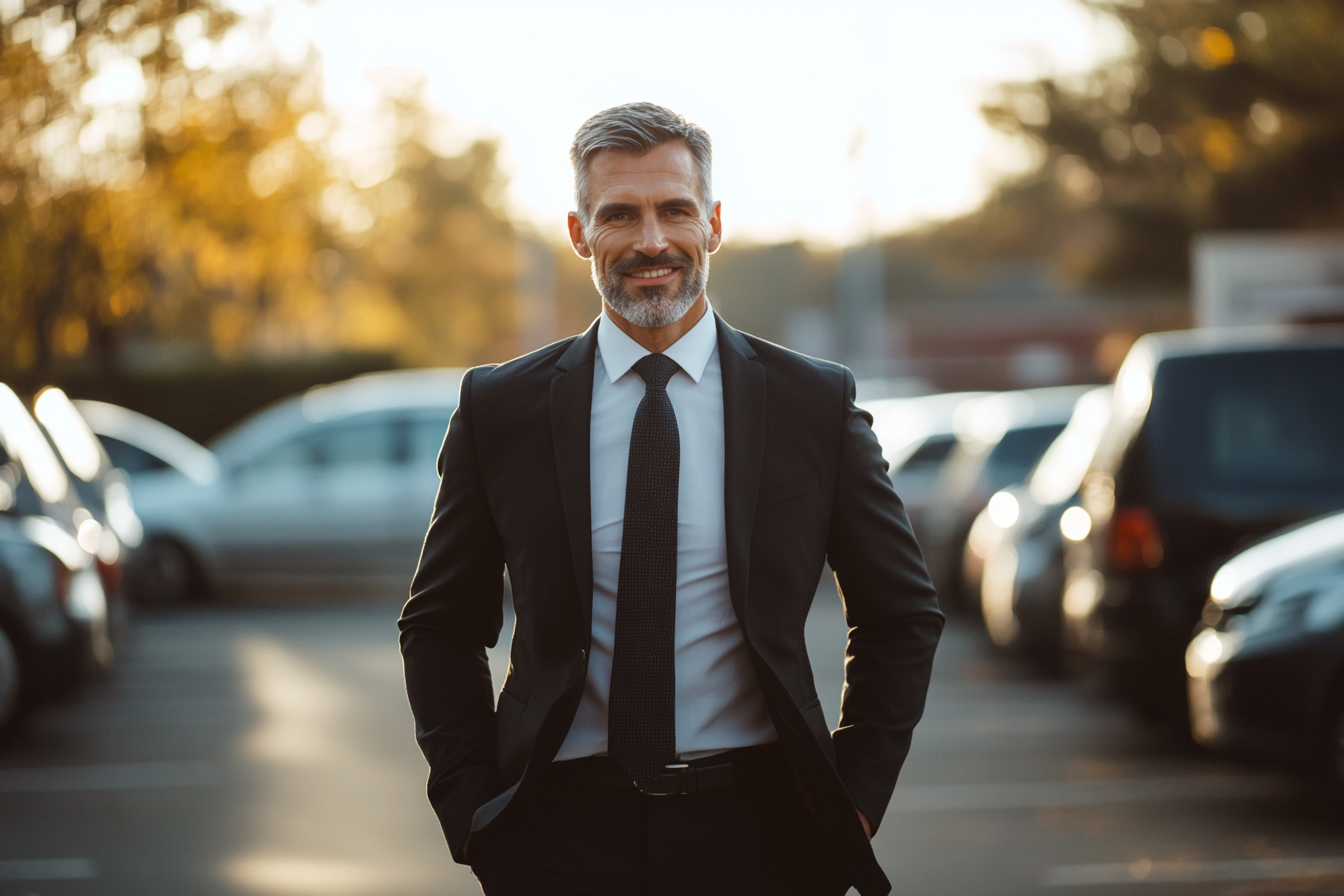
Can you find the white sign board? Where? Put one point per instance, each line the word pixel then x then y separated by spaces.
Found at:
pixel 1265 278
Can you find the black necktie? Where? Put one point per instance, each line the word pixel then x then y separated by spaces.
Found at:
pixel 641 719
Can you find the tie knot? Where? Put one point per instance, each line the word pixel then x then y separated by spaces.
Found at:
pixel 656 371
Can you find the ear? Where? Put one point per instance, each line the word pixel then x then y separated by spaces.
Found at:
pixel 577 239
pixel 716 228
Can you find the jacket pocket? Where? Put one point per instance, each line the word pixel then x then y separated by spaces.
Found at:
pixel 815 717
pixel 787 492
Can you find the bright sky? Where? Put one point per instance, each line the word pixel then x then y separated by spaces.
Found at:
pixel 786 90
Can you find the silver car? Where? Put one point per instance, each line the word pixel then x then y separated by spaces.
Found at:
pixel 329 491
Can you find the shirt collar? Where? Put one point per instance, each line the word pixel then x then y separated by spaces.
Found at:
pixel 691 352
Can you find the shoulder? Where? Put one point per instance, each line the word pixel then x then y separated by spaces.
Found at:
pixel 796 371
pixel 516 377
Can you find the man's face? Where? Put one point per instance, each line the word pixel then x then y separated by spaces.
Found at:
pixel 648 235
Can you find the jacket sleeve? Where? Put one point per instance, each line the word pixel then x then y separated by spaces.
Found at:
pixel 893 617
pixel 454 613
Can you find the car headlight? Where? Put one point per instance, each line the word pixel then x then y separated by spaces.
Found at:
pixel 1075 523
pixel 1210 649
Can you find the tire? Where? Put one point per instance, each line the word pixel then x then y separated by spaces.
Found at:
pixel 11 682
pixel 163 574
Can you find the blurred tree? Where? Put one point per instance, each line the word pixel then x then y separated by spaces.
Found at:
pixel 151 181
pixel 166 176
pixel 430 257
pixel 1223 114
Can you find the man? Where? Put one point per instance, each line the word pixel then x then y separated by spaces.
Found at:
pixel 664 492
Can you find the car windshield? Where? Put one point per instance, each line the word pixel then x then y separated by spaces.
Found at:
pixel 131 458
pixel 928 456
pixel 1017 452
pixel 1250 432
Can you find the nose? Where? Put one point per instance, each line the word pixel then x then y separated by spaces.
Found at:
pixel 652 240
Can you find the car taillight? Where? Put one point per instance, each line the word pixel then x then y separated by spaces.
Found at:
pixel 1134 539
pixel 60 578
pixel 111 575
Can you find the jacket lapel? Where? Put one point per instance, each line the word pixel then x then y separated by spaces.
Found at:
pixel 571 415
pixel 743 452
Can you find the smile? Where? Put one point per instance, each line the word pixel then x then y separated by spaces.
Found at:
pixel 649 275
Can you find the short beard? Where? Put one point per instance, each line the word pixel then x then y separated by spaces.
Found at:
pixel 652 306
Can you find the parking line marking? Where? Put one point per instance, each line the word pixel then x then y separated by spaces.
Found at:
pixel 1045 794
pixel 1145 871
pixel 46 869
pixel 116 776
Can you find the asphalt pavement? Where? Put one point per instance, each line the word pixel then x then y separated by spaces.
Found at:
pixel 269 750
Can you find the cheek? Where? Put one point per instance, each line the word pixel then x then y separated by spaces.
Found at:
pixel 603 247
pixel 694 238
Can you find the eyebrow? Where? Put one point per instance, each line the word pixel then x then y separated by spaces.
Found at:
pixel 612 208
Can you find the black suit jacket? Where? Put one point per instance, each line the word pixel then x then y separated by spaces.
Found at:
pixel 804 484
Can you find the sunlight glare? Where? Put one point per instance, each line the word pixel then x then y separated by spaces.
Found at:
pixel 781 93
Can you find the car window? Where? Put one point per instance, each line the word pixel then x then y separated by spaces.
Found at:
pixel 291 455
pixel 130 458
pixel 1263 425
pixel 32 571
pixel 354 443
pixel 360 442
pixel 424 439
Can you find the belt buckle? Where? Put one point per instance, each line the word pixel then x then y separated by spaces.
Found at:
pixel 676 779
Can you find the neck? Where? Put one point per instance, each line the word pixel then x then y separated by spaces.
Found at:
pixel 660 339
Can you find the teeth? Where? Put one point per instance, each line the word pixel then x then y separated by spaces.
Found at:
pixel 648 275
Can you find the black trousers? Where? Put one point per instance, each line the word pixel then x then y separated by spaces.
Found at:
pixel 570 836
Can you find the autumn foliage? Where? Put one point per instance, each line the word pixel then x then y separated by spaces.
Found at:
pixel 167 179
pixel 1222 114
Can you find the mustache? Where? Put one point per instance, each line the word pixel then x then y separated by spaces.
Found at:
pixel 640 260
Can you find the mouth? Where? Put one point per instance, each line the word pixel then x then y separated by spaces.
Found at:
pixel 652 276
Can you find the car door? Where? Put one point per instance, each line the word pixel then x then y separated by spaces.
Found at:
pixel 354 490
pixel 313 507
pixel 261 515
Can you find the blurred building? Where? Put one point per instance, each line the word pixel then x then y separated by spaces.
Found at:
pixel 1262 278
pixel 1023 343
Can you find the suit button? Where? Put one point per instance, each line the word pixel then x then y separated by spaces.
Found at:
pixel 583 655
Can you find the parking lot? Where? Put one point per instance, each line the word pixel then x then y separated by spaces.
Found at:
pixel 268 749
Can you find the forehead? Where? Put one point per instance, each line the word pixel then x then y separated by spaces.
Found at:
pixel 666 168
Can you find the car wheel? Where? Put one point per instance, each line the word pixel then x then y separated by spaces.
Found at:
pixel 163 574
pixel 10 683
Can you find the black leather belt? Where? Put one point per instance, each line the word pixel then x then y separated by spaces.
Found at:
pixel 676 779
pixel 682 778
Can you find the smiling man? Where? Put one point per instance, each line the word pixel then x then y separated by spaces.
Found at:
pixel 664 493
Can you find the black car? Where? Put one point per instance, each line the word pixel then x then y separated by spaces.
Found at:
pixel 1217 438
pixel 1266 670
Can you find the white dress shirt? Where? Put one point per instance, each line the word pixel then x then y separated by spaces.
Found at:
pixel 719 702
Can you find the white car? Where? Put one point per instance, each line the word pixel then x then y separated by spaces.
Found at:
pixel 329 490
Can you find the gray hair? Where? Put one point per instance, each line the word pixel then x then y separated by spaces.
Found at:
pixel 638 128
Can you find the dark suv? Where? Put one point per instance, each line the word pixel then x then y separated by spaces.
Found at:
pixel 1217 437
